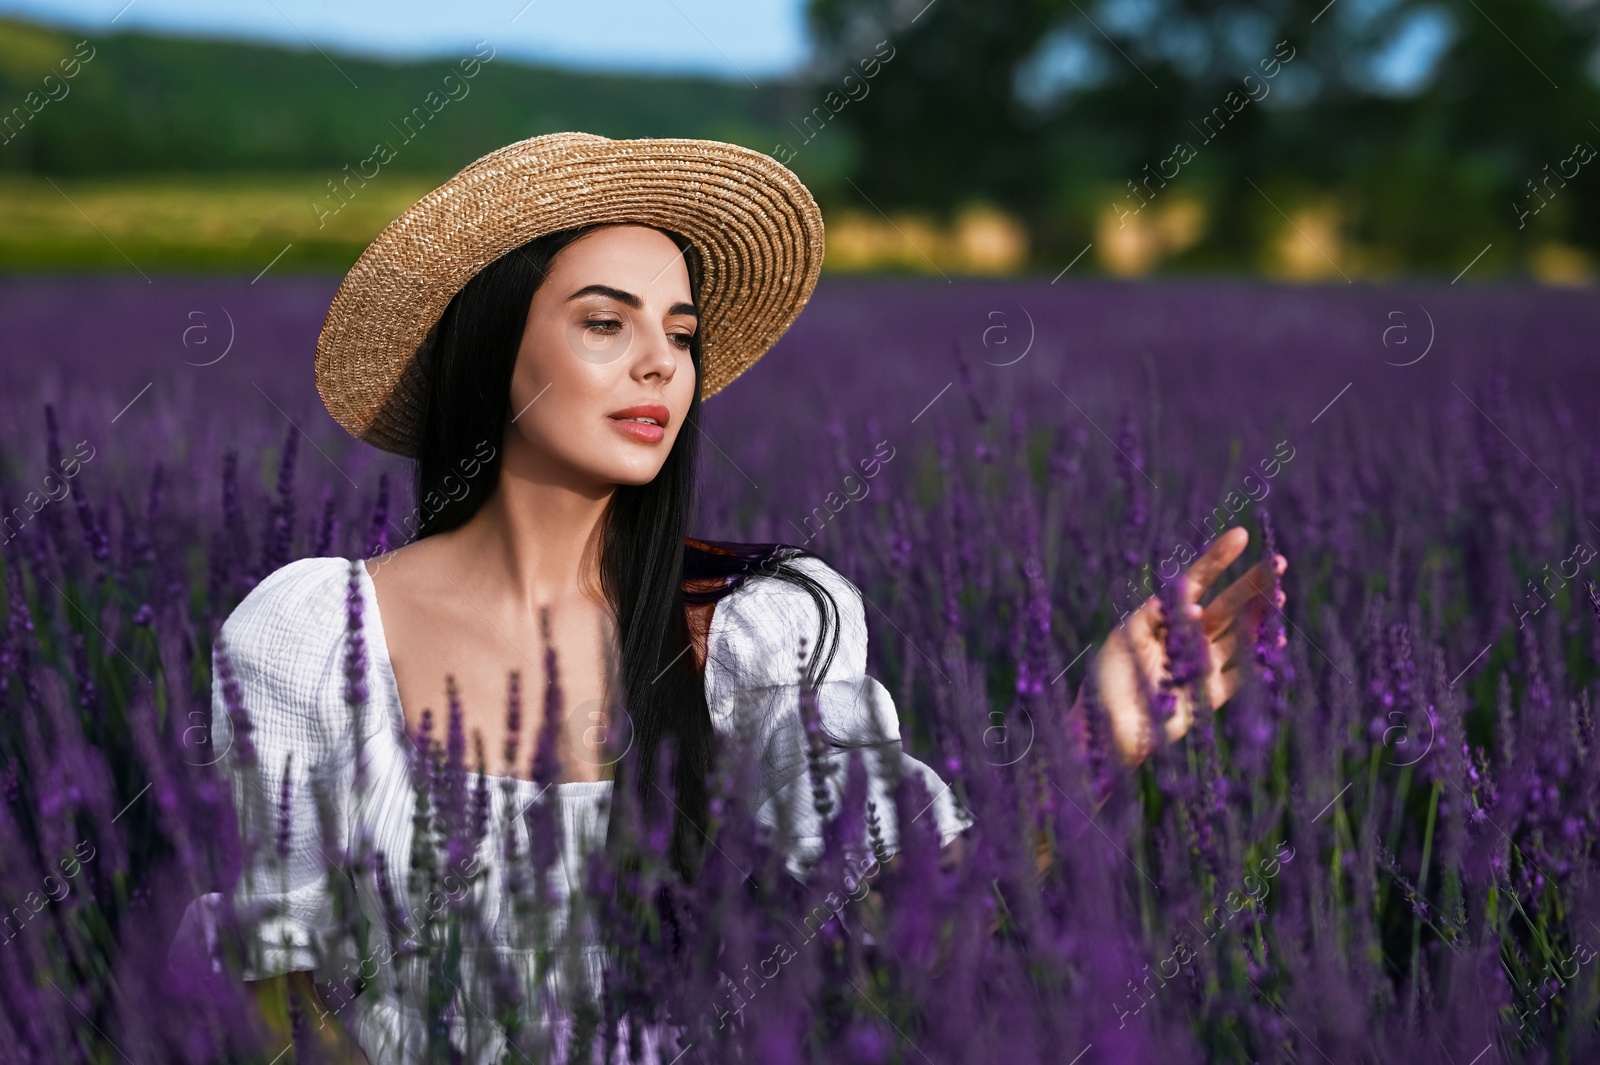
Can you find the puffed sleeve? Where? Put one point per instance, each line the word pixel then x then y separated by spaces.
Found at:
pixel 753 692
pixel 285 647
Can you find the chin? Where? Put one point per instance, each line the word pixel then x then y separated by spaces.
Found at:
pixel 629 477
pixel 605 462
pixel 631 463
pixel 627 473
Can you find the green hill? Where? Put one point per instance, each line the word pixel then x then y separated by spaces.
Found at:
pixel 148 104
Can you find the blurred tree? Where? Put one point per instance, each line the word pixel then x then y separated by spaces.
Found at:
pixel 1421 121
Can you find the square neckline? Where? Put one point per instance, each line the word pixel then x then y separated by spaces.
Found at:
pixel 372 621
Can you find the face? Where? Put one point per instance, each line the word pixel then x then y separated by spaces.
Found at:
pixel 606 342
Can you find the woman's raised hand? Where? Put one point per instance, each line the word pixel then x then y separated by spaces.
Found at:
pixel 1128 668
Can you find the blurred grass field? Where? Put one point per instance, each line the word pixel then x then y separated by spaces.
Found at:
pixel 244 223
pixel 238 223
pixel 191 221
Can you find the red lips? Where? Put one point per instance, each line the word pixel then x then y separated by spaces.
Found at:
pixel 655 411
pixel 644 432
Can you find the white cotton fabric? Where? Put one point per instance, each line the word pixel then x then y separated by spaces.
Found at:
pixel 286 643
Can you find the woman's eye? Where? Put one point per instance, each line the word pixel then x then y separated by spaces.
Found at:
pixel 683 340
pixel 606 325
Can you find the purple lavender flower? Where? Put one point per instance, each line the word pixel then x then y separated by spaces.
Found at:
pixel 1032 664
pixel 820 770
pixel 987 566
pixel 969 386
pixel 1133 480
pixel 356 693
pixel 391 907
pixel 94 535
pixel 1269 657
pixel 238 544
pixel 82 672
pixel 327 526
pixel 285 823
pixel 242 749
pixel 278 536
pixel 480 796
pixel 377 541
pixel 546 757
pixel 456 816
pixel 1186 655
pixel 513 718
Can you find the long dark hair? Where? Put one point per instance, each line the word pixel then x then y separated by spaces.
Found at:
pixel 646 559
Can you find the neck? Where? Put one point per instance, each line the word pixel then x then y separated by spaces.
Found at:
pixel 539 533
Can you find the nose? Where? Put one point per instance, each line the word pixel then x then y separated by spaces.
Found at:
pixel 657 361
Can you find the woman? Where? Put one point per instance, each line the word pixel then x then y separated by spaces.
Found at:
pixel 538 334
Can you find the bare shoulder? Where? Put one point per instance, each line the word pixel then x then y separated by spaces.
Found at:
pixel 413 582
pixel 404 563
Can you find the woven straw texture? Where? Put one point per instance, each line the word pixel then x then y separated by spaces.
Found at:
pixel 757 229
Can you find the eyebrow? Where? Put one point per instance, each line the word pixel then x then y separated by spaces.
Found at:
pixel 628 298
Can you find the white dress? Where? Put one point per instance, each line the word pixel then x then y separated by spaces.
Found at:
pixel 286 644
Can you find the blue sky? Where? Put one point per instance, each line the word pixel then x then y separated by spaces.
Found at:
pixel 735 39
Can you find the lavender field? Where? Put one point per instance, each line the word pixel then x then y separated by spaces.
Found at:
pixel 1382 851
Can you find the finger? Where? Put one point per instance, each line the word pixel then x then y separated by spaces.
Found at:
pixel 1226 645
pixel 1218 557
pixel 1222 612
pixel 1255 583
pixel 1182 717
pixel 1222 685
pixel 1250 620
pixel 1224 648
pixel 1148 616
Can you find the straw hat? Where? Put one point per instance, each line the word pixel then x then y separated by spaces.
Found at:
pixel 756 227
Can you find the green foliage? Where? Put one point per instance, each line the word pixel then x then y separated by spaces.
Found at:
pixel 1048 106
pixel 148 104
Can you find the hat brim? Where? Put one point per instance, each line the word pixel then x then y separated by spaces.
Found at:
pixel 756 227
